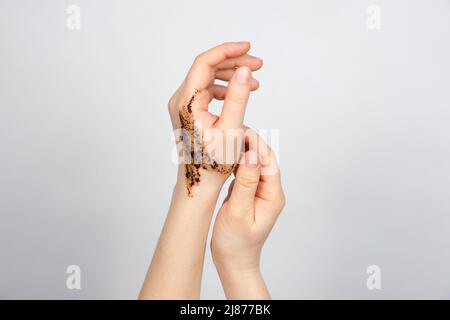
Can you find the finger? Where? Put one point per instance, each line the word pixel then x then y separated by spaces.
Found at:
pixel 253 63
pixel 201 73
pixel 233 110
pixel 242 196
pixel 269 164
pixel 227 74
pixel 270 192
pixel 218 92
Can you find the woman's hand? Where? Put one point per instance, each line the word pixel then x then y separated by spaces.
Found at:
pixel 206 163
pixel 176 268
pixel 244 221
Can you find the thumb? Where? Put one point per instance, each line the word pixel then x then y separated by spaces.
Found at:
pixel 246 183
pixel 236 98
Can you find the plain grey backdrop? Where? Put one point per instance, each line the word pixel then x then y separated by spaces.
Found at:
pixel 85 141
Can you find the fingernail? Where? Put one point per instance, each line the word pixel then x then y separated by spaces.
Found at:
pixel 243 75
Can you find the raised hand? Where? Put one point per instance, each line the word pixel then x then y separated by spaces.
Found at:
pixel 176 268
pixel 202 136
pixel 254 202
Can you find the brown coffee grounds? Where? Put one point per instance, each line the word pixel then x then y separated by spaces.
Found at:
pixel 199 157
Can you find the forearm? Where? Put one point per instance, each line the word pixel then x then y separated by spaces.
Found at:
pixel 243 285
pixel 176 268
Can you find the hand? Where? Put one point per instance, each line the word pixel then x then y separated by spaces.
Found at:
pixel 244 221
pixel 188 108
pixel 176 268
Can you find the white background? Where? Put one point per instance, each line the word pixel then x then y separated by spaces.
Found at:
pixel 85 141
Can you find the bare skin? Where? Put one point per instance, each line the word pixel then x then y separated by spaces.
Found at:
pixel 255 198
pixel 199 158
pixel 176 268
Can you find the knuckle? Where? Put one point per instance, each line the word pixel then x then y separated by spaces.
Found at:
pixel 199 58
pixel 281 201
pixel 171 105
pixel 237 98
pixel 171 102
pixel 247 181
pixel 278 202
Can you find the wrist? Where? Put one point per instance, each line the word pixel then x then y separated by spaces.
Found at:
pixel 198 194
pixel 237 269
pixel 196 207
pixel 243 283
pixel 238 273
pixel 207 188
